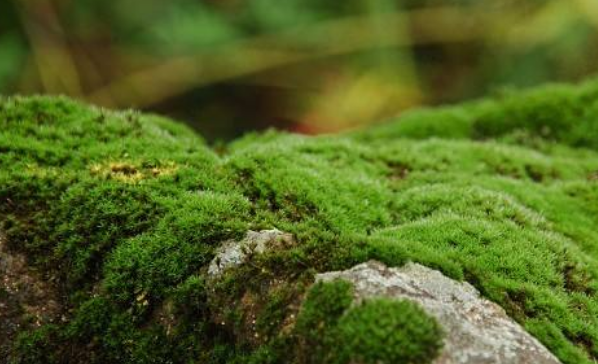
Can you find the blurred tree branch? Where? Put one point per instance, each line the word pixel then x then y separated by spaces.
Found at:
pixel 55 64
pixel 333 38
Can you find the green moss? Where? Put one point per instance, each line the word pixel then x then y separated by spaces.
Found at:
pixel 330 330
pixel 123 211
pixel 324 305
pixel 386 331
pixel 560 113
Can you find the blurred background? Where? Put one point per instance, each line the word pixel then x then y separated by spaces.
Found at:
pixel 310 66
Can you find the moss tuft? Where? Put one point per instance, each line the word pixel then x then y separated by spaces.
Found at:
pixel 386 331
pixel 323 307
pixel 330 329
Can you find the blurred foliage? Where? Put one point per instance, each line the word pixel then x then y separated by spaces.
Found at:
pixel 227 66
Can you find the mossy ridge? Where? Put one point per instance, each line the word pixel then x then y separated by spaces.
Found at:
pixel 515 216
pixel 561 113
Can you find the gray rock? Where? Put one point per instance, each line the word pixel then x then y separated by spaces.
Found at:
pixel 477 330
pixel 233 253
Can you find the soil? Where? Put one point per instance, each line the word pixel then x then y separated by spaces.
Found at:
pixel 26 300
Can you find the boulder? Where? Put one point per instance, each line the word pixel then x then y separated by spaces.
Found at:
pixel 477 330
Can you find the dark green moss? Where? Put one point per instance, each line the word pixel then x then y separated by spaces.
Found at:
pixel 330 330
pixel 324 305
pixel 385 331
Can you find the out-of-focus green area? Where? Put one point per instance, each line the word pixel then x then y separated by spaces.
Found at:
pixel 228 66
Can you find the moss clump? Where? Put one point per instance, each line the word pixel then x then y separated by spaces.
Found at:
pixel 330 330
pixel 317 321
pixel 122 212
pixel 386 331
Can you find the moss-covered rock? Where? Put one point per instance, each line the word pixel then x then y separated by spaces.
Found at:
pixel 331 330
pixel 123 213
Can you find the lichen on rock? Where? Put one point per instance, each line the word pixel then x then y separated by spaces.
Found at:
pixel 232 253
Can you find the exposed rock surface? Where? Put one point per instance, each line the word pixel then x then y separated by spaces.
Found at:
pixel 233 253
pixel 477 330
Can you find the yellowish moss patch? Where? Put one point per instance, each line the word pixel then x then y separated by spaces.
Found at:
pixel 130 172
